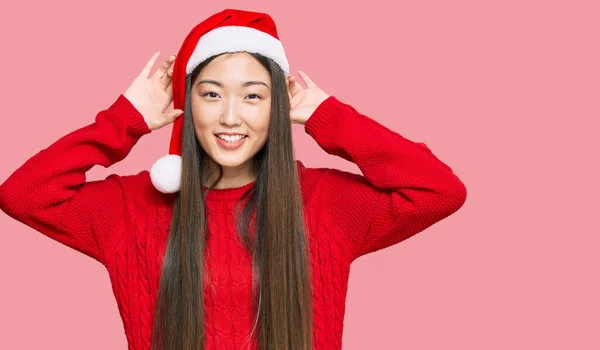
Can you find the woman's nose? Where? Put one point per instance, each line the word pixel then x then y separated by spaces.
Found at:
pixel 230 114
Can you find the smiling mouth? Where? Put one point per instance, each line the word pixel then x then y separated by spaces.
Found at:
pixel 231 143
pixel 231 139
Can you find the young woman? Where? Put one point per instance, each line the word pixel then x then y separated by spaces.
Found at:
pixel 228 242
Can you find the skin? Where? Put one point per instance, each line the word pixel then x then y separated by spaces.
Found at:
pixel 232 107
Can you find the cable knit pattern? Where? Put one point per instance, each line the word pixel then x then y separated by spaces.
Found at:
pixel 123 221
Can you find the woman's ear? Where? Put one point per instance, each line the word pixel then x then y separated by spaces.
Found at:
pixel 293 86
pixel 287 84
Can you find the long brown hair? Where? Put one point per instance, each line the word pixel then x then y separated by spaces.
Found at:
pixel 281 283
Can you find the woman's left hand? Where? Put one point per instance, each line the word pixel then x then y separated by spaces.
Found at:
pixel 303 101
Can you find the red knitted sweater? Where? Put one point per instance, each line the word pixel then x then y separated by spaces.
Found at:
pixel 123 222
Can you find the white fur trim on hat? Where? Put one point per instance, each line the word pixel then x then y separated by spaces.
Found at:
pixel 166 173
pixel 234 39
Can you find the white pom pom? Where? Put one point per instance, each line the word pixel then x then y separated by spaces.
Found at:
pixel 166 173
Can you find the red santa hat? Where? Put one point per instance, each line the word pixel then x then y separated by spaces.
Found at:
pixel 227 31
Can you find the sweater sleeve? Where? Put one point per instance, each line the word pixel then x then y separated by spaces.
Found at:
pixel 404 188
pixel 49 192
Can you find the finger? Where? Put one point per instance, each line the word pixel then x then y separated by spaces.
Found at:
pixel 162 73
pixel 307 80
pixel 167 79
pixel 148 67
pixel 295 100
pixel 169 88
pixel 174 114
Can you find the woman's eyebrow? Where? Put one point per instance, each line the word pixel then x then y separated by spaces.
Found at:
pixel 245 84
pixel 248 83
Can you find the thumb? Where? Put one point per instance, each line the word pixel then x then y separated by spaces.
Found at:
pixel 174 114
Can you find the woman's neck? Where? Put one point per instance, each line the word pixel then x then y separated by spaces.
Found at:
pixel 232 177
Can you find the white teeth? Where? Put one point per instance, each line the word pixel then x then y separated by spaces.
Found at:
pixel 231 138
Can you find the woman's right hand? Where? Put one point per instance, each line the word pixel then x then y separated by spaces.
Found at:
pixel 152 95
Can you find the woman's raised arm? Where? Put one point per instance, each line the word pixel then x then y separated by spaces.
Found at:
pixel 49 191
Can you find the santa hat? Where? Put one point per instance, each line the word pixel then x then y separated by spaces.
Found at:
pixel 226 31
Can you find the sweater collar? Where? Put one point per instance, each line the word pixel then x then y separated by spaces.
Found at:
pixel 220 194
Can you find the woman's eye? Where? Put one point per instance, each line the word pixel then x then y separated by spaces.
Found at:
pixel 257 96
pixel 211 94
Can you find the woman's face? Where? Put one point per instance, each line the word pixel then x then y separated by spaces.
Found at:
pixel 232 95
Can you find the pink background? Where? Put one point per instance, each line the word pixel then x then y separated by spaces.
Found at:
pixel 505 92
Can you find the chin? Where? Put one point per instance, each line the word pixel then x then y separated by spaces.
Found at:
pixel 229 159
pixel 229 163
